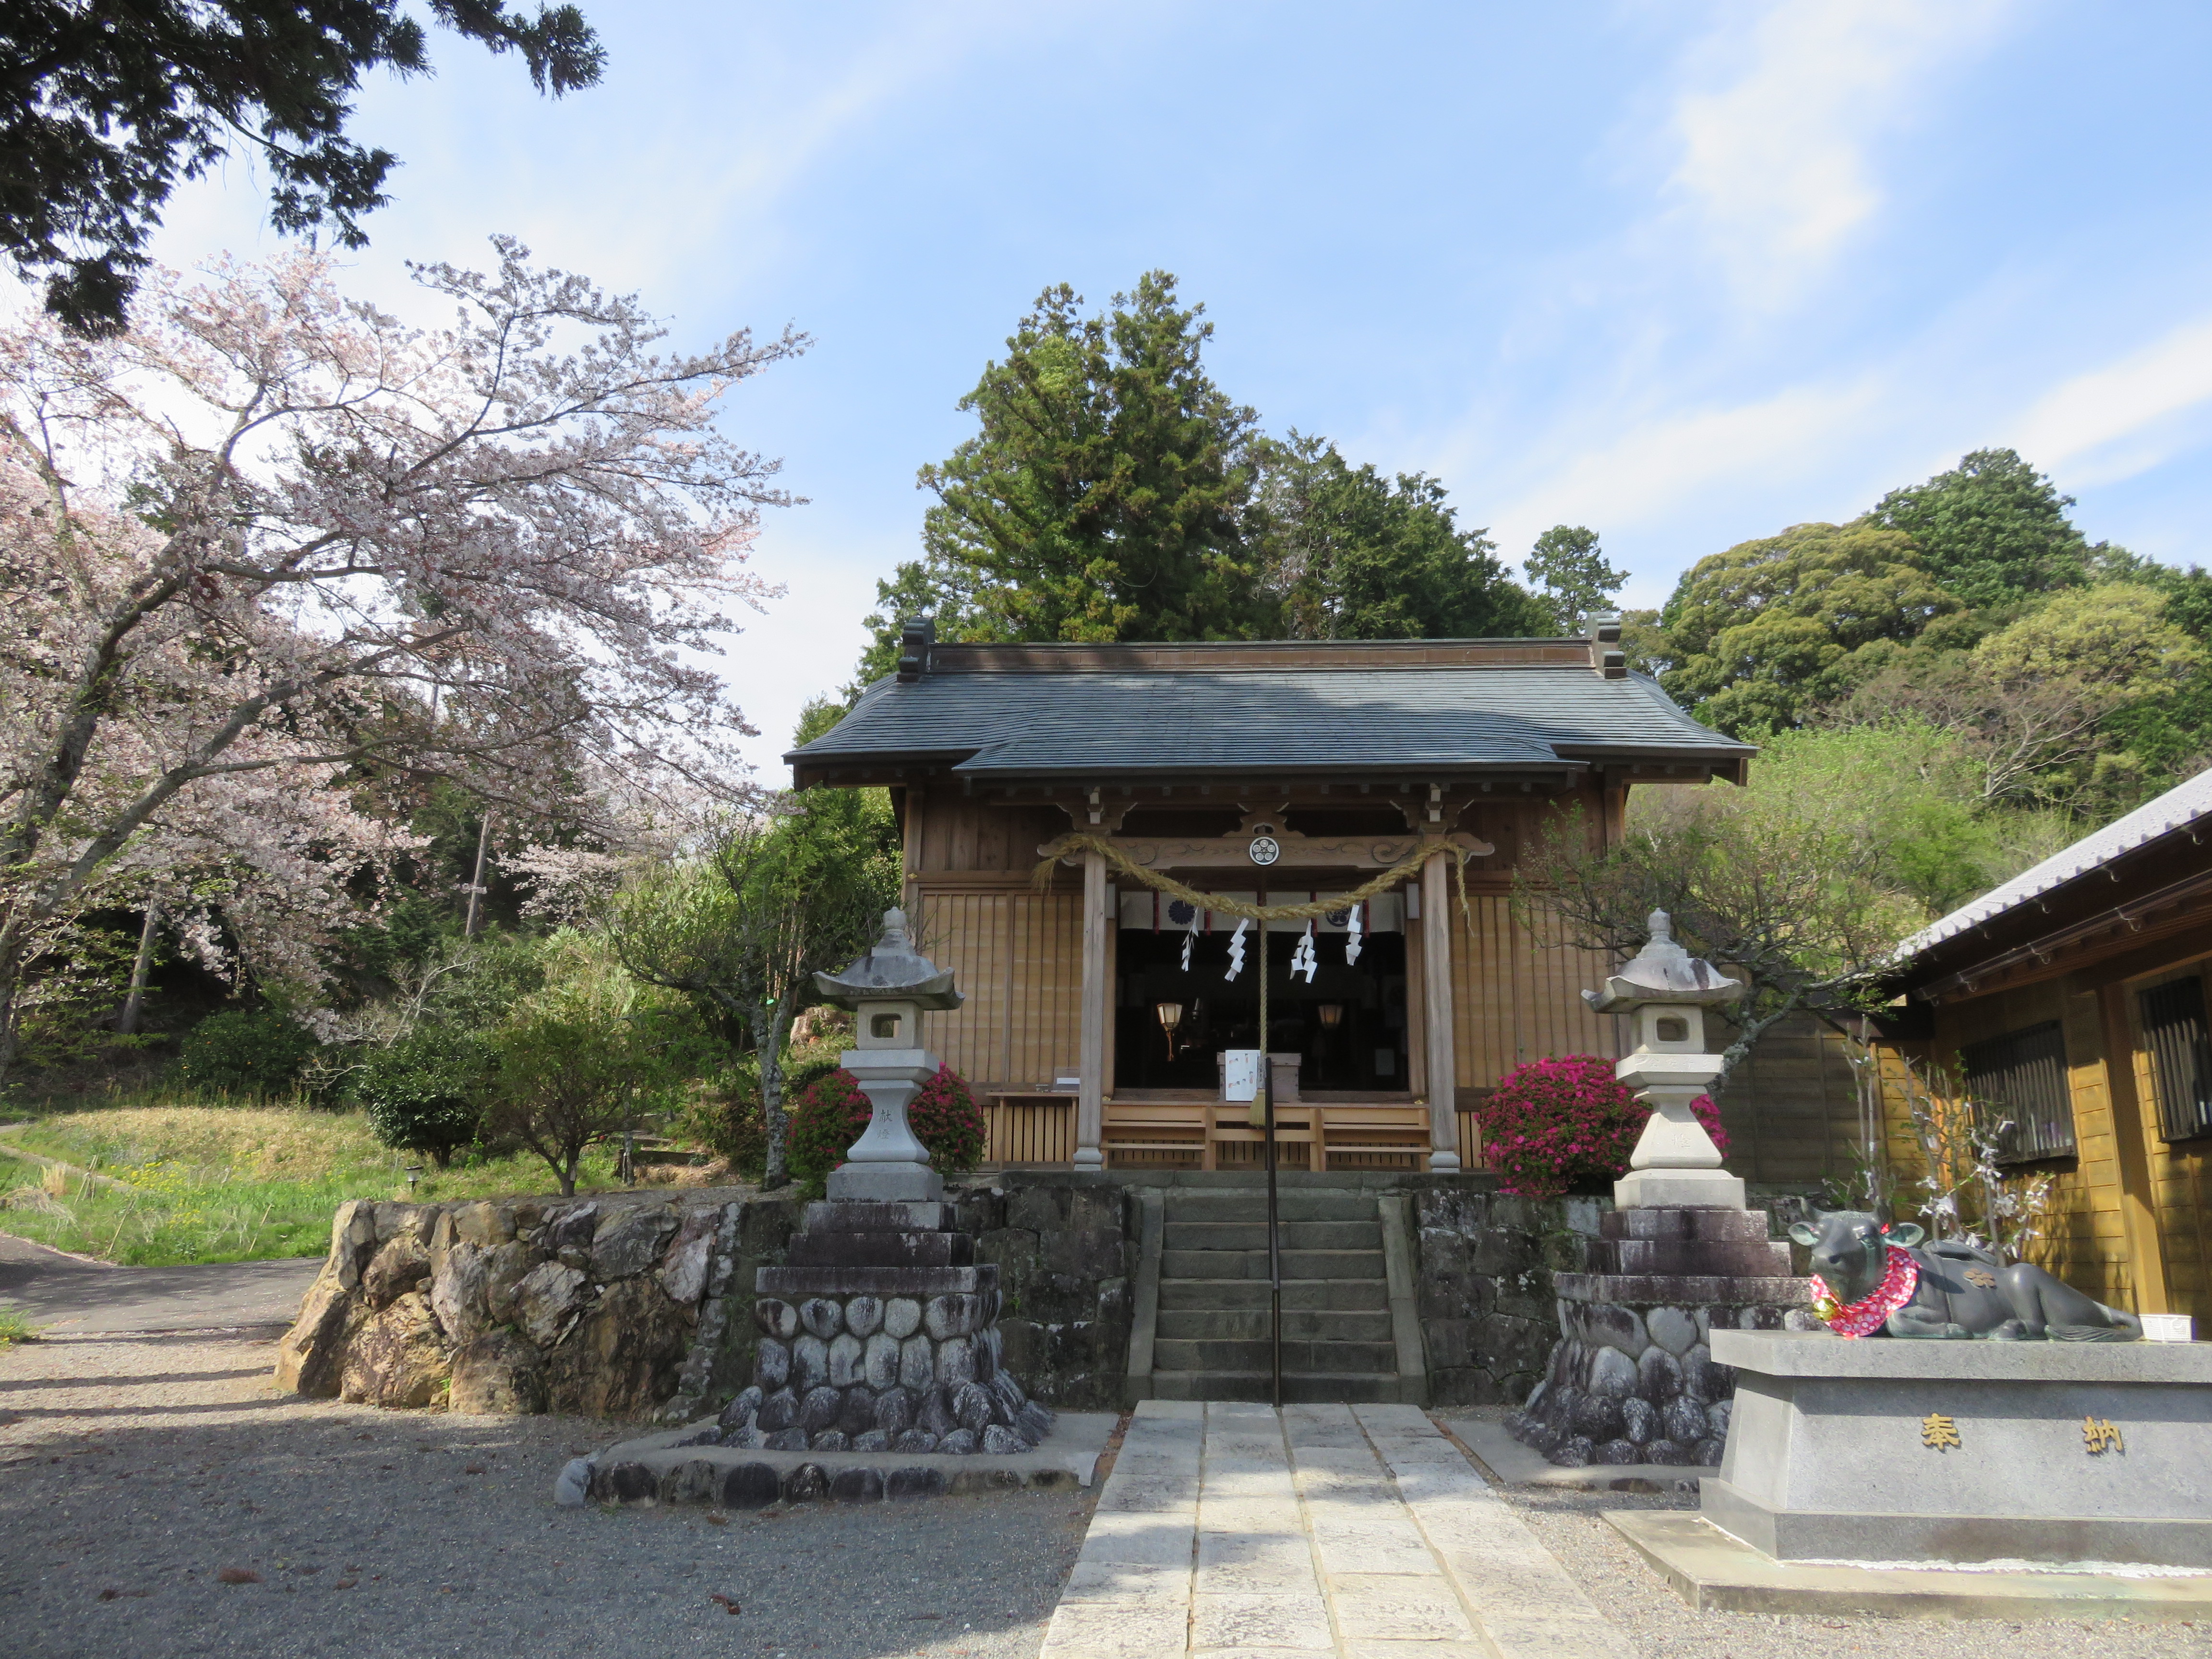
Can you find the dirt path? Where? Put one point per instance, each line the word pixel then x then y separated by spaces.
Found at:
pixel 68 1294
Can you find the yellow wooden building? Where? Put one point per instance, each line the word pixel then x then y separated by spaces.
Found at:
pixel 1098 1012
pixel 2071 1000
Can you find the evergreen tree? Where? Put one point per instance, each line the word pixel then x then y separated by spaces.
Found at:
pixel 1567 564
pixel 1992 530
pixel 1763 633
pixel 1104 496
pixel 1350 555
pixel 104 108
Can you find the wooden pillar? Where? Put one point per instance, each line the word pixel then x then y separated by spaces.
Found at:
pixel 2138 1199
pixel 1436 1009
pixel 1097 1010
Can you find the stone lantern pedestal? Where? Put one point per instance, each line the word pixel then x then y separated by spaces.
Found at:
pixel 880 1331
pixel 1633 1378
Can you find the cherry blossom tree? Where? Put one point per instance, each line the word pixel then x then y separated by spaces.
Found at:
pixel 270 537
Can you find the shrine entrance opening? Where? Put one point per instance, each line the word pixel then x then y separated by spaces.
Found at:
pixel 1345 1022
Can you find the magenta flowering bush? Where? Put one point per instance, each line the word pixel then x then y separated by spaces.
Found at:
pixel 1567 1125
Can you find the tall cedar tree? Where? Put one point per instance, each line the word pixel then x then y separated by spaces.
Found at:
pixel 1103 497
pixel 104 108
pixel 1349 554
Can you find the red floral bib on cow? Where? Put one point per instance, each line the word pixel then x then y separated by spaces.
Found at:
pixel 1863 1318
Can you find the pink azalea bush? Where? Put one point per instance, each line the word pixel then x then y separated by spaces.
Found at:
pixel 1566 1125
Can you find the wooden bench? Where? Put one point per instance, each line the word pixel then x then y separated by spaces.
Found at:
pixel 1294 1126
pixel 1348 1132
pixel 1157 1127
pixel 1192 1133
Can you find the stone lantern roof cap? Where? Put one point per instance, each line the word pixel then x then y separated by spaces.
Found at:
pixel 890 970
pixel 1662 971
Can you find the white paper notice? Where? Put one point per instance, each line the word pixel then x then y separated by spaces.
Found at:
pixel 1240 1073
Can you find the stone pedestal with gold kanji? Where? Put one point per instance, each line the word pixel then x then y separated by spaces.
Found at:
pixel 1884 1450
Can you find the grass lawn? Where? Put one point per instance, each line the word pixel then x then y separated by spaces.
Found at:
pixel 225 1183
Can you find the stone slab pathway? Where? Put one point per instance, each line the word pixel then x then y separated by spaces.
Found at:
pixel 1228 1529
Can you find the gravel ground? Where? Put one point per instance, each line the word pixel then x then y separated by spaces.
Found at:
pixel 136 1468
pixel 1662 1626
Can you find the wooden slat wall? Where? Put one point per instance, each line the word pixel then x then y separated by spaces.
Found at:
pixel 1017 958
pixel 1030 1131
pixel 1518 997
pixel 1791 1109
pixel 2084 1242
pixel 2180 1172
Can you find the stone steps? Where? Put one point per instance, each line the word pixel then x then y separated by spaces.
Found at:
pixel 1210 1338
pixel 1249 1324
pixel 1296 1235
pixel 1249 1204
pixel 1312 1387
pixel 1334 1295
pixel 1253 1264
pixel 1227 1355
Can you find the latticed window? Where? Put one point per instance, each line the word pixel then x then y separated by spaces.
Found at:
pixel 2175 1032
pixel 2022 1077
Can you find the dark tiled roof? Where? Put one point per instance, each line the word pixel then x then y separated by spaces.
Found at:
pixel 1335 718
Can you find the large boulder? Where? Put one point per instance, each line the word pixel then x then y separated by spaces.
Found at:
pixel 629 1241
pixel 399 1266
pixel 547 1300
pixel 499 1374
pixel 398 1359
pixel 311 1356
pixel 623 1357
pixel 353 1241
pixel 457 1293
pixel 683 1269
pixel 505 1267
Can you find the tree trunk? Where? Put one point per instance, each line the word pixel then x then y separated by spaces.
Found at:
pixel 476 881
pixel 769 1044
pixel 12 987
pixel 128 1025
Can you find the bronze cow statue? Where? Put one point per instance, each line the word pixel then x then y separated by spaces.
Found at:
pixel 1956 1291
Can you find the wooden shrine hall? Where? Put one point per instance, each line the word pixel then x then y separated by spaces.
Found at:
pixel 1098 1010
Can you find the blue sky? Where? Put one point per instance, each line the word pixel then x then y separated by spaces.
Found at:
pixel 1686 273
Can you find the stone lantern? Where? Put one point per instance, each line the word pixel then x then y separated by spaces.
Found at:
pixel 887 990
pixel 1667 990
pixel 1632 1379
pixel 879 1329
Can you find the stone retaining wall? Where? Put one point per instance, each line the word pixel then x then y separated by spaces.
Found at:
pixel 610 1306
pixel 640 1305
pixel 1483 1264
pixel 1066 1251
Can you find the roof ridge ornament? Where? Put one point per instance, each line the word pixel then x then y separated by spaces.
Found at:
pixel 1606 656
pixel 917 637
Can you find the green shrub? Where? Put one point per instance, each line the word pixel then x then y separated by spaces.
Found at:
pixel 240 1052
pixel 827 1114
pixel 423 1093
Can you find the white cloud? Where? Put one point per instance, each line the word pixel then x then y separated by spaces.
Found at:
pixel 1642 474
pixel 1774 167
pixel 2130 399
